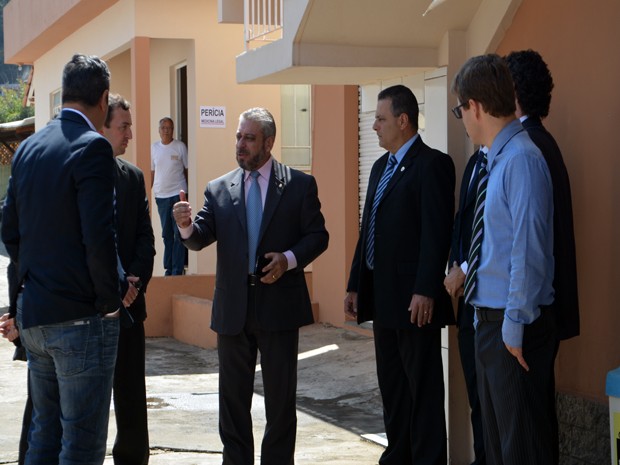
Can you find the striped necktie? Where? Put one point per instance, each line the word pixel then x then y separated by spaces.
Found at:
pixel 383 182
pixel 477 230
pixel 254 215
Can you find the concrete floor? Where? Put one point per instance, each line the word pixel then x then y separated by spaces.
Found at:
pixel 338 400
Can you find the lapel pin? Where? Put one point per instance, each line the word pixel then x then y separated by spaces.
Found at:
pixel 402 168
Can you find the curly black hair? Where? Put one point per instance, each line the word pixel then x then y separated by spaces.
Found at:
pixel 533 82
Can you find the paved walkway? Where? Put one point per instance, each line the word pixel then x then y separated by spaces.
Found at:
pixel 338 400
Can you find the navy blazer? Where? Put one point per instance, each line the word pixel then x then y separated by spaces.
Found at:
pixel 136 243
pixel 566 300
pixel 461 236
pixel 58 223
pixel 413 227
pixel 292 220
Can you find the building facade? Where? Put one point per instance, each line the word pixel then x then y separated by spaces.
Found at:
pixel 333 57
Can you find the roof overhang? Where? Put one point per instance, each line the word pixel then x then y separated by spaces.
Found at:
pixel 358 41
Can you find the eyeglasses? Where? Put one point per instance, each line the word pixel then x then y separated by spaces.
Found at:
pixel 457 111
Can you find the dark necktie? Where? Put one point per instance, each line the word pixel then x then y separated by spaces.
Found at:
pixel 477 230
pixel 254 214
pixel 383 182
pixel 471 193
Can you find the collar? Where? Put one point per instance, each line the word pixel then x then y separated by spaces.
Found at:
pixel 501 139
pixel 400 153
pixel 82 115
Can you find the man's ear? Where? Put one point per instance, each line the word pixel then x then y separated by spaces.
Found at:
pixel 103 101
pixel 403 120
pixel 476 108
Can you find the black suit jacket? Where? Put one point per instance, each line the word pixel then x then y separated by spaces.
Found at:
pixel 461 236
pixel 566 301
pixel 57 223
pixel 292 220
pixel 412 239
pixel 136 243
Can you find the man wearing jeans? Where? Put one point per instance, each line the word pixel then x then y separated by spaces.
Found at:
pixel 168 177
pixel 58 229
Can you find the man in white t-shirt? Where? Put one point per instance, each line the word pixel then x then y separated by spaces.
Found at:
pixel 168 177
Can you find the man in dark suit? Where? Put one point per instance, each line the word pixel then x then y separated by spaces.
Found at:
pixel 459 251
pixel 533 86
pixel 261 298
pixel 136 250
pixel 58 227
pixel 396 279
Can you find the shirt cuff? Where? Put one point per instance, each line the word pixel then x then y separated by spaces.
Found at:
pixel 512 333
pixel 186 232
pixel 291 259
pixel 464 267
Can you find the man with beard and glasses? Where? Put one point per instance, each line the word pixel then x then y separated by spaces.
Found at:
pixel 267 221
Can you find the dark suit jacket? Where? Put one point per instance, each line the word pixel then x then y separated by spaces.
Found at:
pixel 292 220
pixel 566 301
pixel 58 223
pixel 412 239
pixel 136 243
pixel 461 236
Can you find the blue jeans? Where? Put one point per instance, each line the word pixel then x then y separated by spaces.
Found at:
pixel 71 367
pixel 174 250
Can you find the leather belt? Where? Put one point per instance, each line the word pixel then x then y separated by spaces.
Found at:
pixel 489 314
pixel 253 279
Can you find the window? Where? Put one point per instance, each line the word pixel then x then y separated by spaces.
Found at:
pixel 295 126
pixel 55 103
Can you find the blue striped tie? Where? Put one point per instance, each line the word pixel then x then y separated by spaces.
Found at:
pixel 383 182
pixel 254 215
pixel 477 230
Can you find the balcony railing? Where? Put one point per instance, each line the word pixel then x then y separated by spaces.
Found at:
pixel 262 22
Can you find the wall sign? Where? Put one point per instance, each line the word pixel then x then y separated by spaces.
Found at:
pixel 212 117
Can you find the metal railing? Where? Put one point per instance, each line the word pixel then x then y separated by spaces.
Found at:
pixel 262 21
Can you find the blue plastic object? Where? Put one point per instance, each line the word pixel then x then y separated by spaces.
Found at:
pixel 613 383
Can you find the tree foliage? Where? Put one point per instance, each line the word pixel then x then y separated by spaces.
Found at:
pixel 11 108
pixel 12 86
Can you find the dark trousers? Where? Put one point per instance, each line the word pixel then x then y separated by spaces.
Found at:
pixel 466 340
pixel 515 403
pixel 131 446
pixel 410 375
pixel 278 359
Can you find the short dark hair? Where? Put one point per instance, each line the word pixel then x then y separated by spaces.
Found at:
pixel 115 101
pixel 263 117
pixel 84 80
pixel 486 79
pixel 403 101
pixel 532 80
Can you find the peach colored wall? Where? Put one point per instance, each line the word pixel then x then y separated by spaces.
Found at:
pixel 334 164
pixel 579 40
pixel 164 298
pixel 191 321
pixel 159 299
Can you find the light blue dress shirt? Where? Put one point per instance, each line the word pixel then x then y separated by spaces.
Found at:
pixel 516 262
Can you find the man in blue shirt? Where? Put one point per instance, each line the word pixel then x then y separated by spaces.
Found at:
pixel 511 268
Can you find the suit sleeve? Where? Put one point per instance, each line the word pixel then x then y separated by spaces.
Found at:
pixel 314 237
pixel 10 225
pixel 437 213
pixel 142 261
pixel 204 232
pixel 94 181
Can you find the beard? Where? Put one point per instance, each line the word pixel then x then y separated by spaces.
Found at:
pixel 252 162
